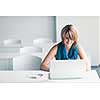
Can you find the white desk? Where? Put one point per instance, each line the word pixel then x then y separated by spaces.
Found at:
pixel 6 56
pixel 23 76
pixel 6 59
pixel 10 49
pixel 26 76
pixel 7 53
pixel 12 55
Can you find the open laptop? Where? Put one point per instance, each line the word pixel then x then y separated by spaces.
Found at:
pixel 67 69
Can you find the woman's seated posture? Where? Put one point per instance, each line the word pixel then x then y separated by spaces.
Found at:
pixel 68 48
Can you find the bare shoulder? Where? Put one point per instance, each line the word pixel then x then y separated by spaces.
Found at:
pixel 79 46
pixel 81 51
pixel 54 48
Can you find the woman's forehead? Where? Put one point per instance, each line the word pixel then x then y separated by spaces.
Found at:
pixel 68 35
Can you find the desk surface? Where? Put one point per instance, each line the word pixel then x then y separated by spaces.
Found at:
pixel 7 54
pixel 29 77
pixel 23 76
pixel 12 55
pixel 10 46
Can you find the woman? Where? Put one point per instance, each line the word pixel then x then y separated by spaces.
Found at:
pixel 68 48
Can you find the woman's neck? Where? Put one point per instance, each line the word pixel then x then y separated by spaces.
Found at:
pixel 67 48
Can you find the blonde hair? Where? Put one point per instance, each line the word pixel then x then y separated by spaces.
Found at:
pixel 67 30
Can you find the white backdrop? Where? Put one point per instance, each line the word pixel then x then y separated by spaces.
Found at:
pixel 27 28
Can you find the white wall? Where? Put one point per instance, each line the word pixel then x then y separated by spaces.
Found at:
pixel 88 28
pixel 27 28
pixel 99 40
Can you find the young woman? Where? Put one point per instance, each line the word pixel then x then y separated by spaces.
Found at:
pixel 68 48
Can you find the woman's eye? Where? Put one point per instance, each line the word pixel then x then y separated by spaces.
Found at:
pixel 67 38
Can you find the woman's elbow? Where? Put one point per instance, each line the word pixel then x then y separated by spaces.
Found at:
pixel 44 67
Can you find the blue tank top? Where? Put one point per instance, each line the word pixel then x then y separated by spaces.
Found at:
pixel 63 55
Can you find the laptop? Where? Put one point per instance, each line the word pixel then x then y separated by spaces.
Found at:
pixel 67 69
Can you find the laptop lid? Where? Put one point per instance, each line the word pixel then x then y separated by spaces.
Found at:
pixel 66 69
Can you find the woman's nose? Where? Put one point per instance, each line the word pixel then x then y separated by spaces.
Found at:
pixel 69 40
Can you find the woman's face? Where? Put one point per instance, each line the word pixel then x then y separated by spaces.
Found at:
pixel 68 40
pixel 69 37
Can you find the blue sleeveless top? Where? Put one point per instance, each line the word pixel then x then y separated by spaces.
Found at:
pixel 63 55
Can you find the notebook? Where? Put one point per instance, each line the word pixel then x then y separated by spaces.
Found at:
pixel 67 69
